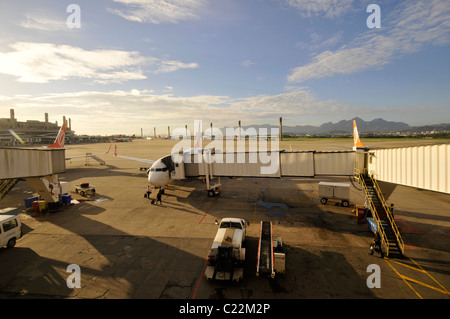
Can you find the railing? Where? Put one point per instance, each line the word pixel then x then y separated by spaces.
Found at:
pixel 394 227
pixel 6 185
pixel 383 236
pixel 358 172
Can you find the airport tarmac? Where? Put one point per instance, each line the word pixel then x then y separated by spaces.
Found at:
pixel 128 248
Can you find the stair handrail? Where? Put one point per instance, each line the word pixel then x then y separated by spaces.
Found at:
pixel 3 184
pixel 383 236
pixel 394 227
pixel 358 172
pixel 6 185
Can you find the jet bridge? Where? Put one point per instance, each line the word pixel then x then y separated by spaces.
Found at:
pixel 424 167
pixel 39 167
pixel 275 164
pixel 31 162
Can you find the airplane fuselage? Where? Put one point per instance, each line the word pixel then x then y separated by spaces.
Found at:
pixel 158 174
pixel 124 139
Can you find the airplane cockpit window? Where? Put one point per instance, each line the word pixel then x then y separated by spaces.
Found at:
pixel 160 169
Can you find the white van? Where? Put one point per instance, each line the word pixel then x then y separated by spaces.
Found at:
pixel 10 230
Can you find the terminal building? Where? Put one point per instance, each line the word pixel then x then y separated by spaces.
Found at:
pixel 34 132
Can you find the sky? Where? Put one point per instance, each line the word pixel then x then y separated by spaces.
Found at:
pixel 119 66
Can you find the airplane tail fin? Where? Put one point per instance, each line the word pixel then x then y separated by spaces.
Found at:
pixel 115 150
pixel 59 140
pixel 356 141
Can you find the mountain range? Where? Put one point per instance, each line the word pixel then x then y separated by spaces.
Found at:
pixel 346 127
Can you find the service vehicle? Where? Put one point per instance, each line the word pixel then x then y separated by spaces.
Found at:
pixel 85 189
pixel 227 255
pixel 10 230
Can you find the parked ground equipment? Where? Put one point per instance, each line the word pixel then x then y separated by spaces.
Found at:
pixel 271 256
pixel 335 191
pixel 227 255
pixel 85 189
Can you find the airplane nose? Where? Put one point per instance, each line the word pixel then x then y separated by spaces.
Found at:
pixel 154 179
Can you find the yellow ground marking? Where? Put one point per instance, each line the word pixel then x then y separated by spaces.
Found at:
pixel 420 269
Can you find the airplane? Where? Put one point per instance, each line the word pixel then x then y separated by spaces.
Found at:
pixel 357 144
pixel 60 143
pixel 60 138
pixel 125 139
pixel 159 175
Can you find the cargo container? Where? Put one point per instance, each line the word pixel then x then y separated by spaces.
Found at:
pixel 334 191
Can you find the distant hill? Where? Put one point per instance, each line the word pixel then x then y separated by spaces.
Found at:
pixel 443 127
pixel 346 127
pixel 375 126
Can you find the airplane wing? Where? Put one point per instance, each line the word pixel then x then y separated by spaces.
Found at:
pixel 137 159
pixel 132 158
pixel 87 155
pixel 80 156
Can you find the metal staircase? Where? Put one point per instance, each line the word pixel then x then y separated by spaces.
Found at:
pixel 6 185
pixel 391 240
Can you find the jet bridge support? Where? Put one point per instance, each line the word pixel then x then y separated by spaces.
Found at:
pixel 47 187
pixel 39 167
pixel 212 185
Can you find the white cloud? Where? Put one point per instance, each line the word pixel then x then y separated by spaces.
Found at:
pixel 159 11
pixel 113 112
pixel 247 63
pixel 327 8
pixel 415 24
pixel 44 62
pixel 40 22
pixel 320 42
pixel 166 66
